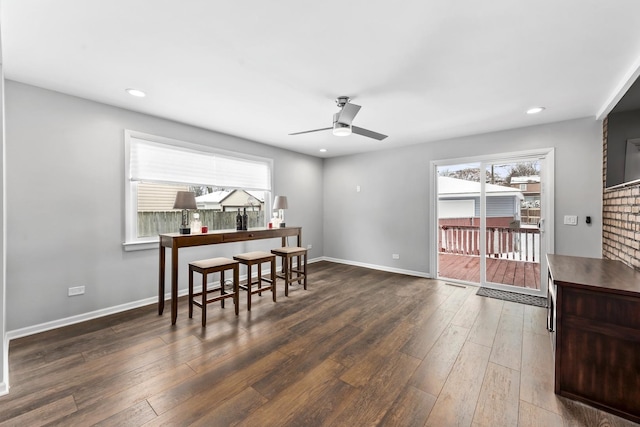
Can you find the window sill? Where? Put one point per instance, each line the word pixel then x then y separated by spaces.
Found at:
pixel 140 246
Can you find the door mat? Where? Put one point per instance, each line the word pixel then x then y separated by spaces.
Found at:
pixel 512 296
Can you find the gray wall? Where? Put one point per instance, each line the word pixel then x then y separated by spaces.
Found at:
pixel 65 200
pixel 65 204
pixel 4 363
pixel 390 215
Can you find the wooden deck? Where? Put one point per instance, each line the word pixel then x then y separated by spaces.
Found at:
pixel 506 271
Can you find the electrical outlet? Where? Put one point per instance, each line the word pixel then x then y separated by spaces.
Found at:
pixel 395 256
pixel 76 290
pixel 309 246
pixel 357 188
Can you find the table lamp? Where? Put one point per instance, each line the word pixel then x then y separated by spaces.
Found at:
pixel 280 203
pixel 185 200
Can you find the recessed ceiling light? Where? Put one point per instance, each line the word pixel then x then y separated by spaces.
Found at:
pixel 323 150
pixel 136 92
pixel 535 110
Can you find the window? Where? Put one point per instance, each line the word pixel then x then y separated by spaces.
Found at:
pixel 523 187
pixel 157 168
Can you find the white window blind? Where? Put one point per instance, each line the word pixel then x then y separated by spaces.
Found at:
pixel 157 162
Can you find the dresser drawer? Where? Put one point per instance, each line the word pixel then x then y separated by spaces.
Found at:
pixel 615 310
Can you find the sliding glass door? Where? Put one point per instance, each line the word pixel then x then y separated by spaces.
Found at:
pixel 458 207
pixel 491 219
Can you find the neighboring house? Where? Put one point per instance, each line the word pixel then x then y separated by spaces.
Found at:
pixel 212 201
pixel 530 187
pixel 157 197
pixel 459 203
pixel 238 199
pixel 230 200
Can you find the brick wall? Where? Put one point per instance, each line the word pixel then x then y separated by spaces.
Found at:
pixel 620 217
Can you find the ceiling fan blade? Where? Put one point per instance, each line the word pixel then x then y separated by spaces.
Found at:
pixel 369 133
pixel 347 113
pixel 309 131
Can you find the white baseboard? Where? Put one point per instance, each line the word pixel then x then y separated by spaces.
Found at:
pixel 4 385
pixel 379 267
pixel 54 324
pixel 42 327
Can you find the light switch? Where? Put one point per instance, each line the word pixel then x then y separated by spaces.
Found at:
pixel 570 220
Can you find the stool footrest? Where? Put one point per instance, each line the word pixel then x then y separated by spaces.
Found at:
pixel 210 300
pixel 255 290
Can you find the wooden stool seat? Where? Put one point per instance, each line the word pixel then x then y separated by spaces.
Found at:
pixel 288 273
pixel 208 266
pixel 252 258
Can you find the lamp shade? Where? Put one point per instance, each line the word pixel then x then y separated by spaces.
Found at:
pixel 280 202
pixel 185 200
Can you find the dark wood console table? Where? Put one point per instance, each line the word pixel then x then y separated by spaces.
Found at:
pixel 175 241
pixel 594 317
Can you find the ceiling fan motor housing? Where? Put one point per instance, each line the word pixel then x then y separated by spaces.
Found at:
pixel 342 100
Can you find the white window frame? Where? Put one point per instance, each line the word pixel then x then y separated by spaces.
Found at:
pixel 131 241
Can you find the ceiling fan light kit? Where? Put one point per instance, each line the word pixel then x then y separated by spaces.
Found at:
pixel 342 122
pixel 341 129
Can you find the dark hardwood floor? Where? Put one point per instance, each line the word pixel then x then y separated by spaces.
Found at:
pixel 359 348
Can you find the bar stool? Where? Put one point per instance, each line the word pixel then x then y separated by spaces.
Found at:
pixel 289 274
pixel 208 266
pixel 249 259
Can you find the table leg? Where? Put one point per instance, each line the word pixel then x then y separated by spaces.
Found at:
pixel 161 281
pixel 299 258
pixel 174 285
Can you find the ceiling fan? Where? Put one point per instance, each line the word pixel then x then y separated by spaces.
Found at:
pixel 342 122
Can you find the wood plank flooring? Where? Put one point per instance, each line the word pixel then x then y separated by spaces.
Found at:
pixel 522 274
pixel 359 348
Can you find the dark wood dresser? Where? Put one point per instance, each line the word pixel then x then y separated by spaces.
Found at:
pixel 594 317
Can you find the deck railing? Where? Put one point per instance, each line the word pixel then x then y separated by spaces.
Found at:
pixel 521 244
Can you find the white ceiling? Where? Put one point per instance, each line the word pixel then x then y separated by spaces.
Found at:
pixel 422 70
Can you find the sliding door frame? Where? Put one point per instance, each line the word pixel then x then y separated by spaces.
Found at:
pixel 545 155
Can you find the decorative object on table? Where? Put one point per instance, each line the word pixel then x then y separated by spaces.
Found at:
pixel 196 224
pixel 280 204
pixel 239 221
pixel 185 200
pixel 245 219
pixel 275 221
